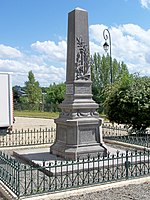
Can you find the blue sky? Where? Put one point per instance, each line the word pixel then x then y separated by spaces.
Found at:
pixel 33 35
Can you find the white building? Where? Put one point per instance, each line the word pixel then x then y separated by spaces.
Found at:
pixel 6 102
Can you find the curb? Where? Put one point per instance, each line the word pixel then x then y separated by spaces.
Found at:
pixel 86 190
pixel 7 193
pixel 126 144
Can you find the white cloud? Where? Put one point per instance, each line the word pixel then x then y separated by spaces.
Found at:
pixel 96 32
pixel 145 3
pixel 9 52
pixel 130 44
pixel 47 59
pixel 51 50
pixel 12 60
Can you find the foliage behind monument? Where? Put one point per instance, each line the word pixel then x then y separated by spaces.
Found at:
pixel 128 102
pixel 33 92
pixel 100 68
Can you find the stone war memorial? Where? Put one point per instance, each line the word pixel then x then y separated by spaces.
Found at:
pixel 78 126
pixel 78 160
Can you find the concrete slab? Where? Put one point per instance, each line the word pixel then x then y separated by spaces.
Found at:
pixel 39 155
pixel 36 155
pixel 53 165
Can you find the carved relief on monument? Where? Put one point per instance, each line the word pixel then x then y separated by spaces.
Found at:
pixel 87 114
pixel 69 88
pixel 78 113
pixel 87 136
pixel 82 65
pixel 83 90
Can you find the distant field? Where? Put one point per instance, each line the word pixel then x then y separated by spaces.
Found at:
pixel 38 114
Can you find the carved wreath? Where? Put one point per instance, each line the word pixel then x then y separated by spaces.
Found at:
pixel 82 67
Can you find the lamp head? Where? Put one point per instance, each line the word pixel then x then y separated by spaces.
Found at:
pixel 106 46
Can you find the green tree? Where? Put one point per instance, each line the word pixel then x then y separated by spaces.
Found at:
pixel 128 102
pixel 55 95
pixel 100 72
pixel 16 94
pixel 33 91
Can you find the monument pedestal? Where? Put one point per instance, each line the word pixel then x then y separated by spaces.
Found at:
pixel 78 138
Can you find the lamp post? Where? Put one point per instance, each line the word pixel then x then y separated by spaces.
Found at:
pixel 106 46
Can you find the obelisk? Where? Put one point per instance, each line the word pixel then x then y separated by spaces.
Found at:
pixel 78 126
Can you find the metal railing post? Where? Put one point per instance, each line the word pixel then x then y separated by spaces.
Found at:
pixel 127 165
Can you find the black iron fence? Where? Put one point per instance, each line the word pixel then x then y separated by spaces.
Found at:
pixel 25 180
pixel 110 130
pixel 46 136
pixel 9 172
pixel 28 137
pixel 133 139
pixel 122 134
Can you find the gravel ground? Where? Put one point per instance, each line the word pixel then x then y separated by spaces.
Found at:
pixel 31 123
pixel 130 192
pixel 2 197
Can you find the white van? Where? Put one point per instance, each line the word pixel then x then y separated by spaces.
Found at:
pixel 6 102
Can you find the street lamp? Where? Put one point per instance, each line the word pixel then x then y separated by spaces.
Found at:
pixel 106 46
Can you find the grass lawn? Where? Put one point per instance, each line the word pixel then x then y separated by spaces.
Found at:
pixel 38 114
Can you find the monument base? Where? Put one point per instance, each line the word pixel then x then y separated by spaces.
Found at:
pixel 78 138
pixel 72 153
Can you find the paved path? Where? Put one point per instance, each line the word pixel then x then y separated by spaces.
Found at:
pixel 129 192
pixel 25 123
pixel 2 197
